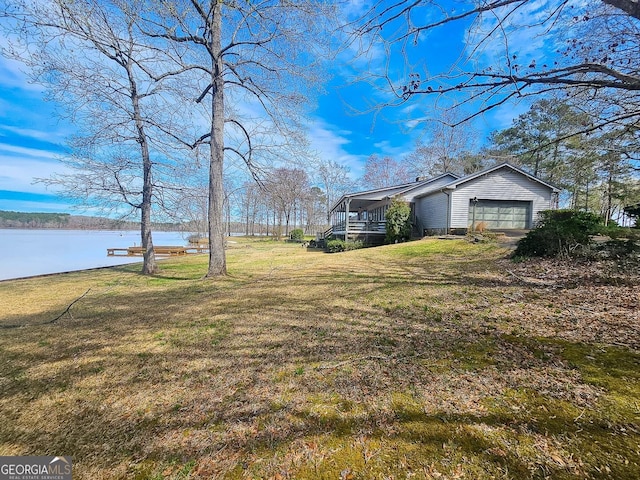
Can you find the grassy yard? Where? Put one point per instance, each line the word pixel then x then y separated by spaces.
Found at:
pixel 433 359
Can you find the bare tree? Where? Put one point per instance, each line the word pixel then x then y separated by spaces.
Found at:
pixel 250 203
pixel 89 55
pixel 335 181
pixel 258 57
pixel 287 188
pixel 445 149
pixel 384 172
pixel 594 58
pixel 191 207
pixel 314 210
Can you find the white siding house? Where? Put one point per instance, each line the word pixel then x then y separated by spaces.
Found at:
pixel 501 197
pixel 431 212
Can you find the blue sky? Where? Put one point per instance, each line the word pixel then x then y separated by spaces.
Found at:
pixel 31 139
pixel 32 134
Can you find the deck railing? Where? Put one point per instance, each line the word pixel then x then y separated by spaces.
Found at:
pixel 356 226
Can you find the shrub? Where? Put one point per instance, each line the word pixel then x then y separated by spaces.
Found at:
pixel 337 245
pixel 616 232
pixel 398 219
pixel 558 233
pixel 480 227
pixel 197 239
pixel 297 234
pixel 617 248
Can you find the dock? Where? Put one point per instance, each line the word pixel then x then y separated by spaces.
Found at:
pixel 160 250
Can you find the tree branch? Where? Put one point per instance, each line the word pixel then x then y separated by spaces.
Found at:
pixel 48 322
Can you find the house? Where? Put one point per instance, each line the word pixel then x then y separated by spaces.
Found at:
pixel 501 197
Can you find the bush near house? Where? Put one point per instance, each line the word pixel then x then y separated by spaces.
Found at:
pixel 398 219
pixel 559 233
pixel 570 233
pixel 297 235
pixel 336 245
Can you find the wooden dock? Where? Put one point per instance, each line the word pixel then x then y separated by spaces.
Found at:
pixel 160 250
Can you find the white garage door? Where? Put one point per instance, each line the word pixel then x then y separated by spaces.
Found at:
pixel 500 213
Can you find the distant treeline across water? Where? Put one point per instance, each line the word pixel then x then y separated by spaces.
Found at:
pixel 24 220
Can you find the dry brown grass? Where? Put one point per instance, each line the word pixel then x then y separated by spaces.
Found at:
pixel 434 359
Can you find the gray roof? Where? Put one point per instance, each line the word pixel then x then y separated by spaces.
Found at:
pixel 386 192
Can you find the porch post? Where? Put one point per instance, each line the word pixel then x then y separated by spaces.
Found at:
pixel 473 224
pixel 346 219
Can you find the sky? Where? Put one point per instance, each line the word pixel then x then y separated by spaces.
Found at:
pixel 33 134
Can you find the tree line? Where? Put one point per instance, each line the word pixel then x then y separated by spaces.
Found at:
pixel 24 220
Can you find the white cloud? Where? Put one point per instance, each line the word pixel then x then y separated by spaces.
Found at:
pixel 27 152
pixel 13 75
pixel 526 32
pixel 18 172
pixel 329 141
pixel 387 149
pixel 502 117
pixel 416 122
pixel 35 206
pixel 47 136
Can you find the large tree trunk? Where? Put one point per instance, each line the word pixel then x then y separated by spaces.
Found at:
pixel 149 264
pixel 217 261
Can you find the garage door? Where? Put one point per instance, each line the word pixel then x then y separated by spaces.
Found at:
pixel 500 213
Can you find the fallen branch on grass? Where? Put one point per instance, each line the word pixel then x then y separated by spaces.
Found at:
pixel 67 310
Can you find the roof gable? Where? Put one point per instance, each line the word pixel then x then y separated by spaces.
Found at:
pixel 495 168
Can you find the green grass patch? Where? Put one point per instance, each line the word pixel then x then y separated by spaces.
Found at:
pixel 441 247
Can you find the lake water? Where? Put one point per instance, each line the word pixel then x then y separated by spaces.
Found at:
pixel 25 253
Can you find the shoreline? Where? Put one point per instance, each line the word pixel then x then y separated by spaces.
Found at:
pixel 41 252
pixel 52 274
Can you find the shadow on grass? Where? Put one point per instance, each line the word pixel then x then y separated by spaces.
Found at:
pixel 262 367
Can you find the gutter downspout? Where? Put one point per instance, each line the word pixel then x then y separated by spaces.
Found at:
pixel 448 224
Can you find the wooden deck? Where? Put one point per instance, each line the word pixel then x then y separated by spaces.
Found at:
pixel 160 250
pixel 372 232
